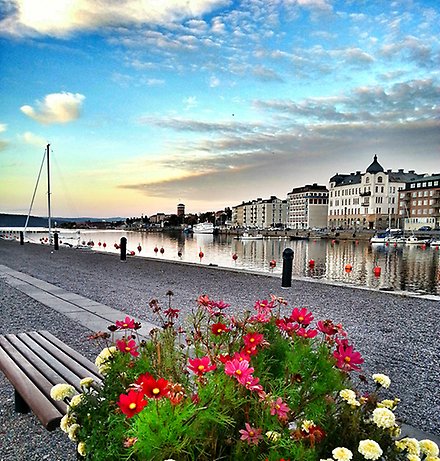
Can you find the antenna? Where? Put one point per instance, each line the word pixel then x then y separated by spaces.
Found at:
pixel 48 192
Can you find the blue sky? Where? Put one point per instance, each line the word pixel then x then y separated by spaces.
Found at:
pixel 210 102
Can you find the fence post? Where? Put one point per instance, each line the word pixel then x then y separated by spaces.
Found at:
pixel 123 248
pixel 286 280
pixel 21 238
pixel 56 245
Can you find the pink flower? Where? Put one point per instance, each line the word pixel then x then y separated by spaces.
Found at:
pixel 286 325
pixel 302 316
pixel 251 435
pixel 128 347
pixel 126 324
pixel 253 385
pixel 306 333
pixel 253 339
pixel 172 313
pixel 327 327
pixel 346 358
pixel 279 408
pixel 240 356
pixel 200 366
pixel 219 328
pixel 239 370
pixel 219 304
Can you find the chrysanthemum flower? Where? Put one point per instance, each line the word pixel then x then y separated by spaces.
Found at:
pixel 346 358
pixel 62 391
pixel 128 347
pixel 301 316
pixel 154 389
pixel 131 403
pixel 86 382
pixel 428 447
pixel 126 324
pixel 349 396
pixel 342 454
pixel 251 435
pixel 82 448
pixel 384 418
pixel 200 366
pixel 370 449
pixel 410 444
pixel 383 380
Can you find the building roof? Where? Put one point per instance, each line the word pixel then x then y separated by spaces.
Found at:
pixel 308 188
pixel 375 167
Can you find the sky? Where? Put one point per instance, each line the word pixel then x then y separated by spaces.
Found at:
pixel 147 104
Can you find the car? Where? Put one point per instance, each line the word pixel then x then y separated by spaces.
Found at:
pixel 425 228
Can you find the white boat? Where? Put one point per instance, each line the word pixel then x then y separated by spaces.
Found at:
pixel 247 236
pixel 413 240
pixel 203 228
pixel 434 243
pixel 389 236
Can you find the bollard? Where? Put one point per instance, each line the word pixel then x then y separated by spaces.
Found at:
pixel 21 238
pixel 123 248
pixel 55 242
pixel 286 280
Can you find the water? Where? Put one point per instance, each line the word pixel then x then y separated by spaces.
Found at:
pixel 409 268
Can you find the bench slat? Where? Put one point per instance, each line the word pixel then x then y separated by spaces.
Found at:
pixel 67 356
pixel 48 414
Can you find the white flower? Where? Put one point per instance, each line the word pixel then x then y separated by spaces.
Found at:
pixel 82 448
pixel 61 391
pixel 73 432
pixel 428 447
pixel 370 449
pixel 106 354
pixel 306 425
pixel 383 380
pixel 409 444
pixel 86 382
pixel 75 400
pixel 342 454
pixel 384 418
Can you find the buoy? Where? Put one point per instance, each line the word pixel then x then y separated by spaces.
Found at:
pixel 235 257
pixel 377 270
pixel 386 244
pixel 312 263
pixel 423 247
pixel 395 244
pixel 156 249
pixel 139 248
pixel 116 246
pixel 179 254
pixel 348 268
pixel 132 253
pixel 272 263
pixel 99 244
pixel 357 242
pixel 104 245
pixel 162 251
pixel 201 254
pixel 333 242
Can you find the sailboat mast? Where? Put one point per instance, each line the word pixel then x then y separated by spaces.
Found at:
pixel 48 193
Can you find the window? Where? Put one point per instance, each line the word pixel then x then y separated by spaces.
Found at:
pixel 379 179
pixel 414 194
pixel 367 179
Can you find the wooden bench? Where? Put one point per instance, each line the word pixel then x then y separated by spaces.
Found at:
pixel 34 362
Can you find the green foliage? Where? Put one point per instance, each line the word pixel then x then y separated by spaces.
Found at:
pixel 258 388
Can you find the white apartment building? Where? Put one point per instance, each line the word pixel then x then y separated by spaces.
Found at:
pixel 367 200
pixel 260 213
pixel 308 207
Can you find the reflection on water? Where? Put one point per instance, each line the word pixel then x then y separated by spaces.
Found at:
pixel 403 267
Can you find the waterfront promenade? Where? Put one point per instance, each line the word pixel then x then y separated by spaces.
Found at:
pixel 397 335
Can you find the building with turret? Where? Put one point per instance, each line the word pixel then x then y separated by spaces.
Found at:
pixel 368 200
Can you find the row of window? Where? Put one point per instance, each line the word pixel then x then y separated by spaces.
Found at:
pixel 424 184
pixel 357 211
pixel 360 190
pixel 419 211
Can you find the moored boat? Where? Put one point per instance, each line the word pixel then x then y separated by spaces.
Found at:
pixel 413 240
pixel 204 228
pixel 247 236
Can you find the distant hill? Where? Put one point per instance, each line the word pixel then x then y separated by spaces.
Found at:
pixel 19 220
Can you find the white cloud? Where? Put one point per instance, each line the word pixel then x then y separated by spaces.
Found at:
pixel 3 127
pixel 190 102
pixel 56 108
pixel 62 17
pixel 214 82
pixel 33 139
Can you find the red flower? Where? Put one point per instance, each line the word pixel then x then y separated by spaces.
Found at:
pixel 219 304
pixel 302 316
pixel 327 327
pixel 219 328
pixel 346 358
pixel 172 313
pixel 128 347
pixel 252 340
pixel 286 325
pixel 126 324
pixel 204 300
pixel 131 403
pixel 152 388
pixel 200 366
pixel 224 358
pixel 239 370
pixel 306 333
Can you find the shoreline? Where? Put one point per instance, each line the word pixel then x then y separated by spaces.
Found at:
pixel 395 334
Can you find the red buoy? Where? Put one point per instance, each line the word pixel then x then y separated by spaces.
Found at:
pixel 348 268
pixel 377 270
pixel 179 254
pixel 235 257
pixel 312 263
pixel 156 249
pixel 132 253
pixel 104 245
pixel 99 244
pixel 201 254
pixel 162 251
pixel 333 242
pixel 272 264
pixel 139 248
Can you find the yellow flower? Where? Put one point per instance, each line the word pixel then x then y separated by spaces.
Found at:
pixel 342 454
pixel 73 432
pixel 409 444
pixel 82 448
pixel 106 354
pixel 428 447
pixel 75 401
pixel 349 396
pixel 384 418
pixel 395 431
pixel 370 449
pixel 306 425
pixel 383 380
pixel 432 458
pixel 66 422
pixel 391 404
pixel 411 457
pixel 61 391
pixel 86 382
pixel 273 436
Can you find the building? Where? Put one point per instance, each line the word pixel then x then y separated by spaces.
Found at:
pixel 181 210
pixel 261 213
pixel 367 200
pixel 307 207
pixel 419 203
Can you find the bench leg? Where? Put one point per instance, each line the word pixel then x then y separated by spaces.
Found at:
pixel 20 405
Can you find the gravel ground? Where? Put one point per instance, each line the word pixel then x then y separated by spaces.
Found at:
pixel 397 335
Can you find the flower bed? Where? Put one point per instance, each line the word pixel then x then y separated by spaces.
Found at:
pixel 261 387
